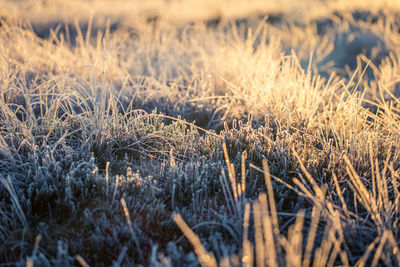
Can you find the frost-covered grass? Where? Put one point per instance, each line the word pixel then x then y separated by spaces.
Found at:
pixel 267 135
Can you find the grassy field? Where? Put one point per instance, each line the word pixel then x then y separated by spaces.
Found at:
pixel 212 133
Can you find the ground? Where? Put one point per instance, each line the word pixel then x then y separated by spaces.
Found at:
pixel 186 133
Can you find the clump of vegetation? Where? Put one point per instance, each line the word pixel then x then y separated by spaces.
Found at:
pixel 267 140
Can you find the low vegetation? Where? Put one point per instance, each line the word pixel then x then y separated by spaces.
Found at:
pixel 268 138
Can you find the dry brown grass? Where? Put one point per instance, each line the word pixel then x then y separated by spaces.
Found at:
pixel 274 135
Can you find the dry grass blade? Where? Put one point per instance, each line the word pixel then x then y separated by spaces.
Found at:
pixel 295 239
pixel 271 198
pixel 230 200
pixel 362 190
pixel 316 213
pixel 247 249
pixel 304 190
pixel 380 207
pixel 243 169
pixel 206 259
pixel 129 222
pixel 339 192
pixel 379 249
pixel 36 245
pixel 258 235
pixel 231 173
pixel 127 216
pixel 29 262
pixel 395 246
pixel 269 234
pixel 7 183
pixel 81 261
pixel 282 182
pixel 310 179
pixel 363 260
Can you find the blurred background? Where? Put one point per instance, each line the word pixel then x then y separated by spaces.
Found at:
pixel 132 12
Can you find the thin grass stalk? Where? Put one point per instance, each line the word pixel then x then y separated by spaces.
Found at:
pixel 231 172
pixel 315 214
pixel 322 252
pixel 339 192
pixel 206 259
pixel 258 235
pixel 247 249
pixel 243 169
pixel 81 261
pixel 228 195
pixel 129 222
pixel 310 179
pixel 271 199
pixel 363 260
pixel 394 244
pixel 14 199
pixel 379 249
pixel 269 234
pixel 295 238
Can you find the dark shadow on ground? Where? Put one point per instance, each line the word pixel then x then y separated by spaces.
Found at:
pixel 70 32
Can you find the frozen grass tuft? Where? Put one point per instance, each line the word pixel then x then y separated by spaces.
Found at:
pixel 240 138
